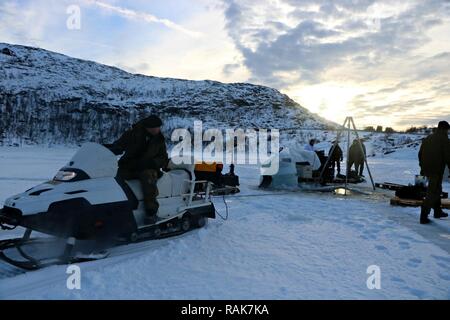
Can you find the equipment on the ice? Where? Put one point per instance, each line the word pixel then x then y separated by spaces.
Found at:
pixel 411 195
pixel 307 163
pixel 396 201
pixel 352 177
pixel 296 165
pixel 411 192
pixel 349 126
pixel 221 183
pixel 286 176
pixel 420 180
pixel 325 174
pixel 408 192
pixel 92 208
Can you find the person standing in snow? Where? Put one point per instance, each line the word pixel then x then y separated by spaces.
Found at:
pixel 336 156
pixel 434 155
pixel 145 154
pixel 310 145
pixel 357 156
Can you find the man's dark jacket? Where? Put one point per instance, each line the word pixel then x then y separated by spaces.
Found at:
pixel 434 154
pixel 356 154
pixel 337 153
pixel 142 150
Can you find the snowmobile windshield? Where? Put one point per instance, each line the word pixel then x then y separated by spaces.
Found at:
pixel 92 161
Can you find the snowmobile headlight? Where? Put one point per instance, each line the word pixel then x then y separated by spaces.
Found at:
pixel 65 176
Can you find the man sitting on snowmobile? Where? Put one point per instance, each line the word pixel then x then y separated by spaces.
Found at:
pixel 434 155
pixel 145 154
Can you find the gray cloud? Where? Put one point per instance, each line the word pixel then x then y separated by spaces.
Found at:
pixel 315 37
pixel 312 46
pixel 228 69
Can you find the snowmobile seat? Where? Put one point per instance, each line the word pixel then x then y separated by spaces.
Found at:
pixel 181 175
pixel 164 187
pixel 172 183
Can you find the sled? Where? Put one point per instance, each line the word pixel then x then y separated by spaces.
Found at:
pixel 396 201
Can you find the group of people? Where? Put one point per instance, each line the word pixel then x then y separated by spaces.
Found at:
pixel 434 156
pixel 144 154
pixel 356 155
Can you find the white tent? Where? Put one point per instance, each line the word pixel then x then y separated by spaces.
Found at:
pixel 299 154
pixel 285 176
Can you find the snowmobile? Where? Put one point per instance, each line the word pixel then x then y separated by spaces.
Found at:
pixel 87 208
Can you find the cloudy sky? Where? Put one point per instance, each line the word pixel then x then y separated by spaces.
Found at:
pixel 384 62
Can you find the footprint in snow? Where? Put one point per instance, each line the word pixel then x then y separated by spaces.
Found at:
pixel 417 292
pixel 414 263
pixel 404 245
pixel 283 291
pixel 411 239
pixel 443 265
pixel 368 236
pixel 397 279
pixel 381 248
pixel 298 218
pixel 445 276
pixel 441 258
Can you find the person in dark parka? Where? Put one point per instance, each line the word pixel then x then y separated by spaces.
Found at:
pixel 434 155
pixel 356 156
pixel 145 154
pixel 336 156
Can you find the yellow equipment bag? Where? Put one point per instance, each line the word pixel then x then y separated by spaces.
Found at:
pixel 208 166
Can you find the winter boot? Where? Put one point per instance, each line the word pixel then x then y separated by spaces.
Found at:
pixel 151 217
pixel 424 220
pixel 440 214
pixel 424 215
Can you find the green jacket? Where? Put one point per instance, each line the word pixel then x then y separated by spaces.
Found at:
pixel 142 150
pixel 356 154
pixel 434 154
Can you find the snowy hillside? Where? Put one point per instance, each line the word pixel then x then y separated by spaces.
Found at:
pixel 50 97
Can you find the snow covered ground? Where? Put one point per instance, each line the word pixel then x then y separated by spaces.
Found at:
pixel 275 245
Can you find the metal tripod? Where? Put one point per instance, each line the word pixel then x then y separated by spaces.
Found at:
pixel 348 126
